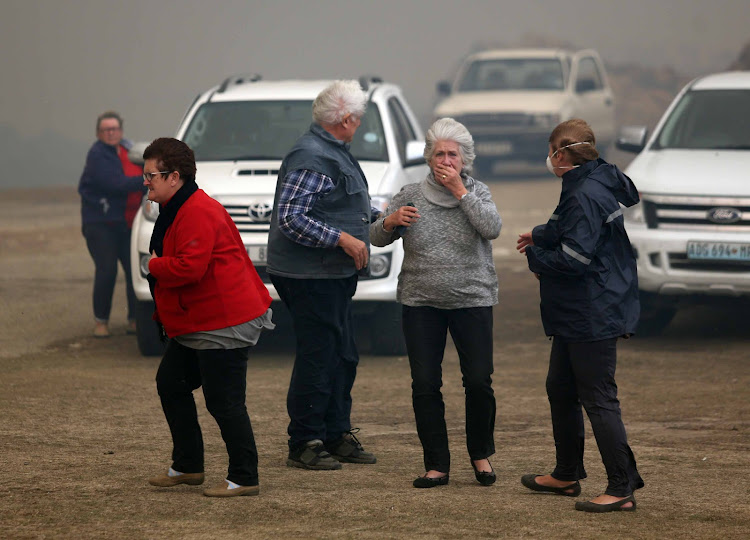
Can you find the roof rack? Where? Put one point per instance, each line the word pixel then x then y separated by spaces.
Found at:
pixel 239 79
pixel 366 80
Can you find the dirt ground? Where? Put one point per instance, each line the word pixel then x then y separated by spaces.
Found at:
pixel 81 426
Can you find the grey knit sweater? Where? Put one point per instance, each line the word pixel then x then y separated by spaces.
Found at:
pixel 447 252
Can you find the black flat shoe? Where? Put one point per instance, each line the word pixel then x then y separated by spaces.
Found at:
pixel 529 480
pixel 424 482
pixel 588 506
pixel 483 477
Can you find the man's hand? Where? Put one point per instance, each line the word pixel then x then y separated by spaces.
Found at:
pixel 355 248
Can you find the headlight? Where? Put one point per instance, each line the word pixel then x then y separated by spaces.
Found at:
pixel 547 120
pixel 634 214
pixel 150 209
pixel 381 202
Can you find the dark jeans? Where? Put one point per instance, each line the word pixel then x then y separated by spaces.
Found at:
pixel 425 332
pixel 319 401
pixel 584 374
pixel 222 373
pixel 108 243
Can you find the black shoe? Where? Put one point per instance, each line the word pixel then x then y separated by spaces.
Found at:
pixel 348 449
pixel 529 480
pixel 424 482
pixel 312 455
pixel 588 506
pixel 483 477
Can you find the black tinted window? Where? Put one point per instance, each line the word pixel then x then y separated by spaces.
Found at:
pixel 245 130
pixel 709 119
pixel 513 74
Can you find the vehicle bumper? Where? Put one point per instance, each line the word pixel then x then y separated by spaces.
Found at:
pixel 663 266
pixel 369 290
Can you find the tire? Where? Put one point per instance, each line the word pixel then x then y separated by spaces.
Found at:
pixel 656 314
pixel 147 331
pixel 386 335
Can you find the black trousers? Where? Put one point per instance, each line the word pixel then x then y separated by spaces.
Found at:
pixel 425 332
pixel 108 243
pixel 222 373
pixel 584 374
pixel 319 401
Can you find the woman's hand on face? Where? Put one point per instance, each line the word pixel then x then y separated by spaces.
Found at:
pixel 405 215
pixel 523 241
pixel 450 178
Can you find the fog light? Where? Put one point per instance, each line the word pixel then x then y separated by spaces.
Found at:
pixel 380 265
pixel 655 259
pixel 145 257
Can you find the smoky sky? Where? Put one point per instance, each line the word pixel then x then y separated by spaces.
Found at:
pixel 65 61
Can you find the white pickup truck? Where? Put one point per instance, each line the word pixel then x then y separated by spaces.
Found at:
pixel 240 130
pixel 691 230
pixel 511 99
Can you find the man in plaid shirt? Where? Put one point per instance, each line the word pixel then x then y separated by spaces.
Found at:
pixel 318 244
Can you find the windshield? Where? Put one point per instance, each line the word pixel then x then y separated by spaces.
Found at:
pixel 709 119
pixel 266 130
pixel 513 74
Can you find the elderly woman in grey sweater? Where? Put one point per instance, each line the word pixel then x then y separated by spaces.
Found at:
pixel 447 283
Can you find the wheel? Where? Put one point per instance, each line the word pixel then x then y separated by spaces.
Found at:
pixel 656 314
pixel 147 331
pixel 386 335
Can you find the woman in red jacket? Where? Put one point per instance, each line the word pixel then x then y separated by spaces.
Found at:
pixel 213 306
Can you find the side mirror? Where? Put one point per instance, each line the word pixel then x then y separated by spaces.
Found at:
pixel 135 154
pixel 585 85
pixel 443 88
pixel 631 138
pixel 414 154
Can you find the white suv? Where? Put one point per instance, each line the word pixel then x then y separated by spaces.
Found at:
pixel 240 131
pixel 510 99
pixel 691 230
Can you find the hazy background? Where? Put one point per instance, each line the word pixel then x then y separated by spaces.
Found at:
pixel 65 61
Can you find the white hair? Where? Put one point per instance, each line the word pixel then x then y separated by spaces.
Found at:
pixel 337 100
pixel 447 129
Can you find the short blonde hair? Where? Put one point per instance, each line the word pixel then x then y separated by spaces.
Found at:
pixel 573 131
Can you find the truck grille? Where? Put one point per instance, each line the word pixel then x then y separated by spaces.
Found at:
pixel 697 213
pixel 249 213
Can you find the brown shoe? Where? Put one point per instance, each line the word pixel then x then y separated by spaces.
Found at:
pixel 101 330
pixel 224 491
pixel 164 480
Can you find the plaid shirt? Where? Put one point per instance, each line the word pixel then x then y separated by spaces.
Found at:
pixel 298 195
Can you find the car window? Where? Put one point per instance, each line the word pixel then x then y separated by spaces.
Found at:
pixel 403 130
pixel 258 130
pixel 708 119
pixel 513 74
pixel 589 77
pixel 368 143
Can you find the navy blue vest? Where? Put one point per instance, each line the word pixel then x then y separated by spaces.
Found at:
pixel 345 207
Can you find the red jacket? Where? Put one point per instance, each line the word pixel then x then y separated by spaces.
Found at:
pixel 204 278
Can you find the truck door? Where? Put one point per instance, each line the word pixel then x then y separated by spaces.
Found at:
pixel 593 96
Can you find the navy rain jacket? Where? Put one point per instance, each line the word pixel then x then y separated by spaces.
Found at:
pixel 104 187
pixel 586 265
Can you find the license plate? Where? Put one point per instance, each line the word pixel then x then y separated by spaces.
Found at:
pixel 500 148
pixel 722 251
pixel 257 254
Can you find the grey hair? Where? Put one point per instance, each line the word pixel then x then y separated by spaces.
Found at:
pixel 337 100
pixel 447 129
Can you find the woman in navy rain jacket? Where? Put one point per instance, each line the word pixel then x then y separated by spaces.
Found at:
pixel 589 298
